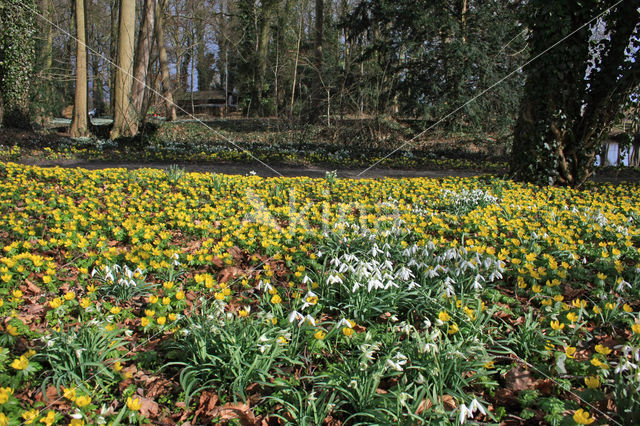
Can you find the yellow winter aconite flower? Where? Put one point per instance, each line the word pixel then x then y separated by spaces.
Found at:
pixel 5 393
pixel 583 417
pixel 557 325
pixel 115 310
pixel 161 320
pixel 55 303
pixel 83 401
pixel 592 382
pixel 69 393
pixel 570 351
pixel 180 295
pixel 319 335
pixel 70 295
pixel 572 316
pixel 347 331
pixel 12 330
pixel 597 363
pixel 453 328
pixel 144 321
pixel 76 422
pixel 601 349
pixel 20 363
pixel 134 404
pixel 276 299
pixel 627 308
pixel 85 302
pixel 153 299
pixel 635 328
pixel 579 303
pixel 444 316
pixel 30 416
pixel 4 421
pixel 49 419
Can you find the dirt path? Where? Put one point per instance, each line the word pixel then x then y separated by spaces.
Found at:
pixel 260 170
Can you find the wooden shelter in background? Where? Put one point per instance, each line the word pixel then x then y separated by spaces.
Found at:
pixel 207 102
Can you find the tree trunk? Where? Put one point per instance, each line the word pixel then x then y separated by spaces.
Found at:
pixel 565 117
pixel 79 126
pixel 295 67
pixel 46 55
pixel 98 86
pixel 143 51
pixel 113 55
pixel 268 7
pixel 125 121
pixel 317 95
pixel 17 56
pixel 170 107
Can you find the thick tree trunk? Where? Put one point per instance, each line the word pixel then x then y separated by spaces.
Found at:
pixel 143 52
pixel 17 56
pixel 125 121
pixel 164 65
pixel 564 118
pixel 79 125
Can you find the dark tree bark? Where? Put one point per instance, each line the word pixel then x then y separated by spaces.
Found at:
pixel 565 117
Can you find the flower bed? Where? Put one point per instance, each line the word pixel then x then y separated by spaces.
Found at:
pixel 167 297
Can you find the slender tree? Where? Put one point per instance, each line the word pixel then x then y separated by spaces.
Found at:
pixel 167 94
pixel 143 52
pixel 125 119
pixel 564 115
pixel 79 125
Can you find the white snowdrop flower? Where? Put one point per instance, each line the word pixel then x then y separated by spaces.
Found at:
pixel 432 273
pixel 343 267
pixel 353 384
pixel 413 285
pixel 429 348
pixel 464 414
pixel 397 362
pixel 476 285
pixel 306 279
pixel 356 286
pixel 622 285
pixel 495 275
pixel 295 316
pixel 76 415
pixel 343 323
pixel 318 254
pixel 404 273
pixel 335 262
pixel 390 284
pixel 334 279
pixel 427 323
pixel 476 406
pixel 310 320
pixel 264 348
pixel 387 264
pixel 374 284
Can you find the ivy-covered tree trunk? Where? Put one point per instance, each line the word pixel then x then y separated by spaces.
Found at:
pixel 17 57
pixel 575 90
